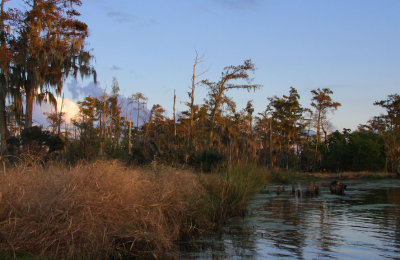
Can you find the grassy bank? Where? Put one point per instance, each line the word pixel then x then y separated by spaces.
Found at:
pixel 347 175
pixel 280 176
pixel 104 209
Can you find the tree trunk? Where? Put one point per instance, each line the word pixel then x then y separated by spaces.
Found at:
pixel 192 105
pixel 287 152
pixel 104 115
pixel 59 118
pixel 317 140
pixel 174 113
pixel 130 132
pixel 29 107
pixel 119 129
pixel 325 133
pixel 3 122
pixel 148 125
pixel 214 114
pixel 137 119
pixel 270 145
pixel 3 86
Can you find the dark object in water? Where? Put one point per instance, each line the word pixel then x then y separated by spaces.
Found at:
pixel 312 190
pixel 280 189
pixel 296 192
pixel 337 187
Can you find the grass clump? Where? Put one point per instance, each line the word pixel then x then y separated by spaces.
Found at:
pixel 97 210
pixel 105 210
pixel 229 191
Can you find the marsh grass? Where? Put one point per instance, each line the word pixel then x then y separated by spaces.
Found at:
pixel 229 191
pixel 97 210
pixel 105 210
pixel 280 176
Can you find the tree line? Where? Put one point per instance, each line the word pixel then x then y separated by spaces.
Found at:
pixel 215 133
pixel 44 45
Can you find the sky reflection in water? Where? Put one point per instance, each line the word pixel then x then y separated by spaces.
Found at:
pixel 365 223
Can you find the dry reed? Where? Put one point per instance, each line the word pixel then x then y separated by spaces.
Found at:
pixel 98 210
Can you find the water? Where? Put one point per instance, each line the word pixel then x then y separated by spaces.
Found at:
pixel 363 224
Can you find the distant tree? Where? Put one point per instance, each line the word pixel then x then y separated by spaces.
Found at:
pixel 217 90
pixel 322 103
pixel 191 105
pixel 288 114
pixel 389 126
pixel 116 119
pixel 130 103
pixel 249 109
pixel 360 150
pixel 156 117
pixel 263 128
pixel 88 143
pixel 140 101
pixel 367 151
pixel 392 116
pixel 55 119
pixel 338 155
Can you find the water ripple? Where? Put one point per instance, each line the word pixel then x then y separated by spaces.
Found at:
pixel 363 224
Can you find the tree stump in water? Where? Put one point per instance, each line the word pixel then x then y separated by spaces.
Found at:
pixel 337 187
pixel 312 190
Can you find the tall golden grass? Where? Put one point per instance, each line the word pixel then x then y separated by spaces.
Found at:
pixel 106 210
pixel 98 210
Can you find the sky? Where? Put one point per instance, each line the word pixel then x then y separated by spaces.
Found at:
pixel 349 46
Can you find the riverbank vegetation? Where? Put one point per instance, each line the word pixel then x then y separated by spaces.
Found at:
pixel 104 209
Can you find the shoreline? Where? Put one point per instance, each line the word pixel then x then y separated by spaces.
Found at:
pixel 347 175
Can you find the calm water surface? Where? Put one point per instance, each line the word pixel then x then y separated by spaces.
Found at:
pixel 363 224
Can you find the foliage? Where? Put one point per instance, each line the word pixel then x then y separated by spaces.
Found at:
pixel 208 160
pixel 357 151
pixel 48 45
pixel 37 139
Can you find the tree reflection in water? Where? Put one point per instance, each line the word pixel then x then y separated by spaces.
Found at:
pixel 364 223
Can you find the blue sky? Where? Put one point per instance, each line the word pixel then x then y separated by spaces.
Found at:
pixel 350 46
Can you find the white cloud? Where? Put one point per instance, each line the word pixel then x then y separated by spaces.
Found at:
pixel 69 107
